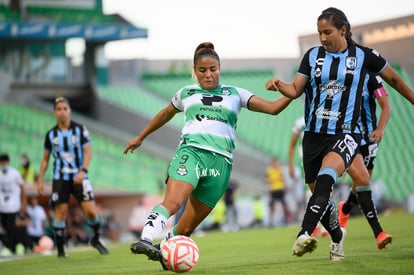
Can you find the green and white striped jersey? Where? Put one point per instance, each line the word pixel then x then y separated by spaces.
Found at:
pixel 211 116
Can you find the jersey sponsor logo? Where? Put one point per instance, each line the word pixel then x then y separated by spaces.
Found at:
pixel 85 132
pixel 207 172
pixel 350 144
pixel 201 117
pixel 208 109
pixel 75 141
pixel 209 99
pixel 351 62
pixel 191 92
pixel 315 208
pixel 323 113
pixel 55 197
pixel 320 61
pixel 67 157
pixel 332 88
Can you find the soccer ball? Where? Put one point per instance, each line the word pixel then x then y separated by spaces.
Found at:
pixel 45 245
pixel 180 253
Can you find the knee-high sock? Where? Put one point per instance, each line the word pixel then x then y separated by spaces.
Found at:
pixel 350 202
pixel 59 229
pixel 330 222
pixel 318 202
pixel 367 206
pixel 95 224
pixel 155 223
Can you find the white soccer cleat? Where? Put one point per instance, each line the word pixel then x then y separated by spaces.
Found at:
pixel 337 249
pixel 304 244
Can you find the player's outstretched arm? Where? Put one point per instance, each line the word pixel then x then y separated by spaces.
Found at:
pixel 292 90
pixel 161 118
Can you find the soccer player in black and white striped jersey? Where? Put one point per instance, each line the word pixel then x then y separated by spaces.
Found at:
pixel 69 143
pixel 363 164
pixel 332 77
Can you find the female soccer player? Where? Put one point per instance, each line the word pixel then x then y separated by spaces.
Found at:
pixel 200 170
pixel 332 77
pixel 69 143
pixel 363 164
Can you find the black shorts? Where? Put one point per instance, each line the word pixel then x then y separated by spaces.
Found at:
pixel 316 146
pixel 369 153
pixel 278 195
pixel 62 189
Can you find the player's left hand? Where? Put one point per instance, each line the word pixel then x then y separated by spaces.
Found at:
pixel 79 177
pixel 272 84
pixel 377 135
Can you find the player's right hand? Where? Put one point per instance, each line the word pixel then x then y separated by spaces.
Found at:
pixel 40 189
pixel 132 145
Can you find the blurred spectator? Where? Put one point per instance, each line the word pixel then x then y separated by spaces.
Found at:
pixel 22 237
pixel 38 218
pixel 218 216
pixel 27 171
pixel 12 201
pixel 276 183
pixel 259 212
pixel 79 231
pixel 137 217
pixel 111 228
pixel 231 210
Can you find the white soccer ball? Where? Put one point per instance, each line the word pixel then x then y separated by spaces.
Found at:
pixel 180 253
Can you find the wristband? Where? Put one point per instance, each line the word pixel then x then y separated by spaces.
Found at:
pixel 85 170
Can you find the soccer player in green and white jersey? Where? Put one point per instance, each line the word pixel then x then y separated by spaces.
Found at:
pixel 200 170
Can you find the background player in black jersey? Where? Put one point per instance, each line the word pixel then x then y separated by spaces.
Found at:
pixel 332 77
pixel 69 143
pixel 363 164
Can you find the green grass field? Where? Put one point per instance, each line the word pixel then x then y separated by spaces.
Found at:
pixel 255 251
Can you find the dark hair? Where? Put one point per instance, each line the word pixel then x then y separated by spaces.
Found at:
pixel 4 157
pixel 205 49
pixel 338 19
pixel 60 99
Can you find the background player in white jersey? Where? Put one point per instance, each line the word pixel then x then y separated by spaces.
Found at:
pixel 200 170
pixel 12 201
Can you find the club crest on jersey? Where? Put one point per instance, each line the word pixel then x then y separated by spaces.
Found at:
pixel 225 91
pixel 332 87
pixel 182 170
pixel 351 63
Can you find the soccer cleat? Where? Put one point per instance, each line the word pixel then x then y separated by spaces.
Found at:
pixel 337 249
pixel 304 244
pixel 342 217
pixel 95 243
pixel 164 267
pixel 383 239
pixel 146 247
